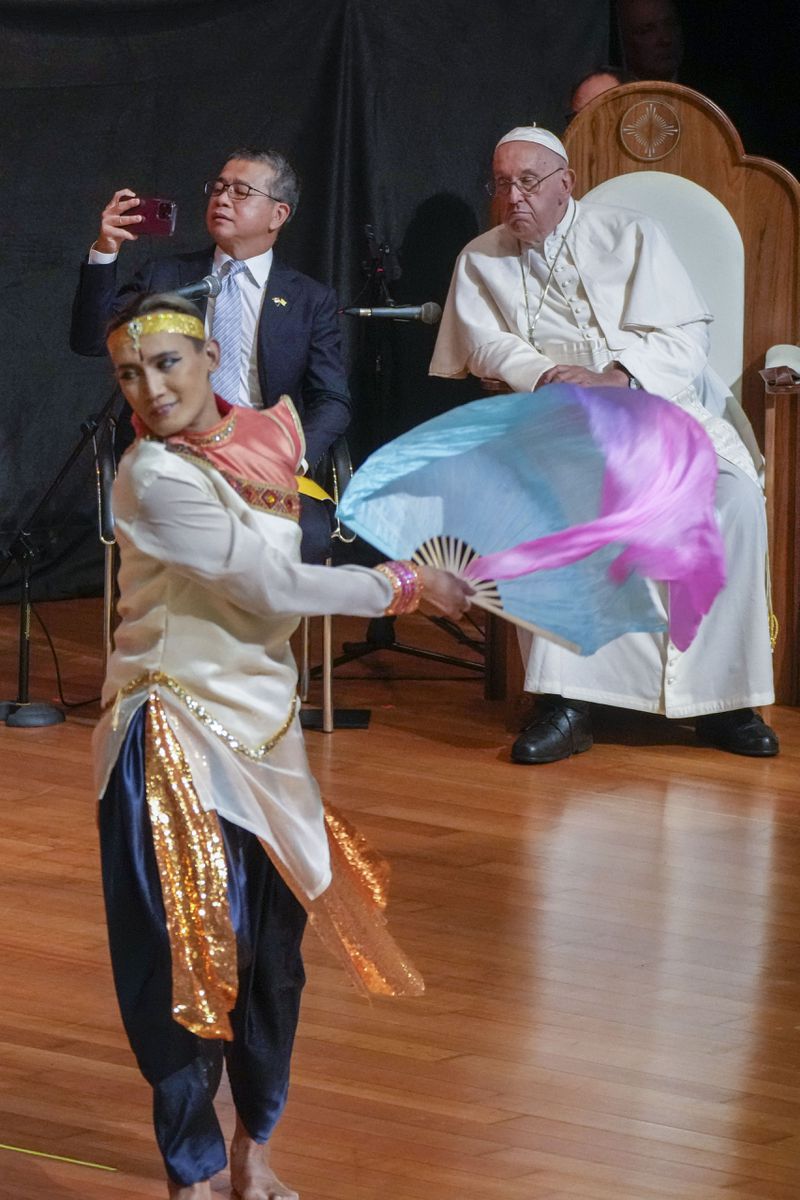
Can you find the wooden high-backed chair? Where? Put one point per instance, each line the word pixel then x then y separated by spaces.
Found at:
pixel 627 147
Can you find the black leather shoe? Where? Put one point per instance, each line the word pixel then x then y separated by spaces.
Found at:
pixel 742 731
pixel 560 728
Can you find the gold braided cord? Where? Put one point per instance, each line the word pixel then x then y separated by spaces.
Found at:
pixel 190 854
pixel 159 679
pixel 163 321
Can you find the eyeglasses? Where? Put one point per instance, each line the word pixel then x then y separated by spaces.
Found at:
pixel 527 184
pixel 236 190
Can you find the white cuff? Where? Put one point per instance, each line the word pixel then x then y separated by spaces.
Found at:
pixel 100 258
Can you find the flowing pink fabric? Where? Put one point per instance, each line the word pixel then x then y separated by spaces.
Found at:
pixel 657 502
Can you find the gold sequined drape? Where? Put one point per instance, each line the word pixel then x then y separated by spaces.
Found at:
pixel 193 871
pixel 349 915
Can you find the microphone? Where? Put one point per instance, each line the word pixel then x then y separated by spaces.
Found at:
pixel 211 285
pixel 429 313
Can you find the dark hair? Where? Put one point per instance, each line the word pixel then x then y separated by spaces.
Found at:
pixel 147 302
pixel 286 182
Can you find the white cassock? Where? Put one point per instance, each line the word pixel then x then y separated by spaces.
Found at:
pixel 606 286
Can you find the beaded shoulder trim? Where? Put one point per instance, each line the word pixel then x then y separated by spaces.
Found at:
pixel 219 435
pixel 264 497
pixel 293 413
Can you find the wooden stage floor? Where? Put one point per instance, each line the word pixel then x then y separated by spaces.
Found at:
pixel 611 948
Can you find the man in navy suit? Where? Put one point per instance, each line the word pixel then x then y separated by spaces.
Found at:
pixel 290 338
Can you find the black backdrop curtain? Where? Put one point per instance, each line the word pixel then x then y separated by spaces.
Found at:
pixel 390 112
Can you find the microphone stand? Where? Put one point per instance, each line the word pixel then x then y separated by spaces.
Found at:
pixel 106 470
pixel 381 269
pixel 24 712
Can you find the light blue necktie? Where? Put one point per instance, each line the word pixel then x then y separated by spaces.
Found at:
pixel 227 330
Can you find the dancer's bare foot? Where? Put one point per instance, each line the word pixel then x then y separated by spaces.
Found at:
pixel 191 1191
pixel 252 1178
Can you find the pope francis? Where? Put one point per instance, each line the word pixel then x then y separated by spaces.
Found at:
pixel 575 292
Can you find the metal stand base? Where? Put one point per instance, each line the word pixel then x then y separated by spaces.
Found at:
pixel 381 636
pixel 31 715
pixel 23 713
pixel 343 718
pixel 327 718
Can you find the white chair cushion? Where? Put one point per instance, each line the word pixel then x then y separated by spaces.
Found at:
pixel 708 244
pixel 784 356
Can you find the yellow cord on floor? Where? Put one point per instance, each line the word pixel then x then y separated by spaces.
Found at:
pixel 76 1162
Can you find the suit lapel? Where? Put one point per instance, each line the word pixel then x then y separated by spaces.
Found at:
pixel 279 296
pixel 281 290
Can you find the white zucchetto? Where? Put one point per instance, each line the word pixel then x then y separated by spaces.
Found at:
pixel 532 133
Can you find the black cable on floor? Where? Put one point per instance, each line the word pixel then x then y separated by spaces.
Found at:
pixel 61 699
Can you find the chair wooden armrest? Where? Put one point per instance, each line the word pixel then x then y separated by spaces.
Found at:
pixel 781 375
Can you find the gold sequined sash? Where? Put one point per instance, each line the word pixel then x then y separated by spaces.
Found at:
pixel 190 854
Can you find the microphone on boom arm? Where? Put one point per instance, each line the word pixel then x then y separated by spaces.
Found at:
pixel 209 285
pixel 429 313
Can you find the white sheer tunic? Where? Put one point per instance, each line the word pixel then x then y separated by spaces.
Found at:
pixel 211 591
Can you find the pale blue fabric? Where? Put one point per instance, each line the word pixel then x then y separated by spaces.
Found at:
pixel 494 473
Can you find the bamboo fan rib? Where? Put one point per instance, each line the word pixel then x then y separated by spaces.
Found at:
pixel 452 554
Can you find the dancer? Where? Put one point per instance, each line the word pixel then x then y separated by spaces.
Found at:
pixel 214 841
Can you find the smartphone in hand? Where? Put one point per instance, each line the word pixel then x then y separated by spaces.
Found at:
pixel 158 217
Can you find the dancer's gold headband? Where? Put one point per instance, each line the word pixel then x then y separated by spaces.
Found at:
pixel 161 321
